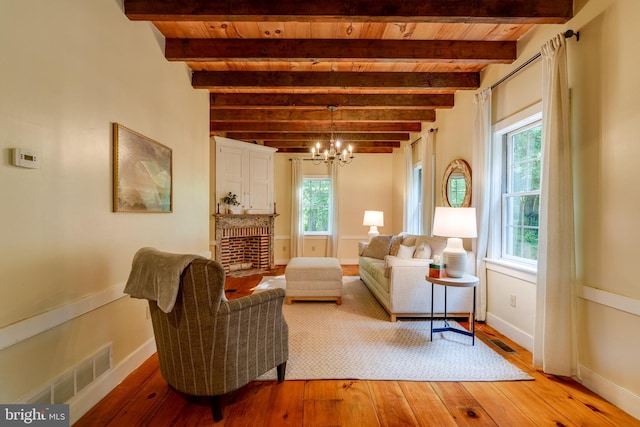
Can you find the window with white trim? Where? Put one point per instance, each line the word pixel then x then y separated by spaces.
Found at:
pixel 521 198
pixel 518 160
pixel 316 200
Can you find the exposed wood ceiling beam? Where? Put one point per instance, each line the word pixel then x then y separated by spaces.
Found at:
pixel 287 100
pixel 219 80
pixel 313 136
pixel 308 144
pixel 277 115
pixel 323 126
pixel 314 50
pixel 356 150
pixel 511 11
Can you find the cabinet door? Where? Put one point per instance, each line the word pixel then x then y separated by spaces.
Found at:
pixel 231 169
pixel 260 191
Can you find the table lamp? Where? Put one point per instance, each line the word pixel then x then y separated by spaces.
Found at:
pixel 373 219
pixel 455 223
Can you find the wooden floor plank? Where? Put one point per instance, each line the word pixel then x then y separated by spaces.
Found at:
pixel 339 403
pixel 144 403
pixel 427 406
pixel 170 412
pixel 465 409
pixel 609 413
pixel 286 404
pixel 251 402
pixel 533 405
pixel 556 396
pixel 393 409
pixel 502 411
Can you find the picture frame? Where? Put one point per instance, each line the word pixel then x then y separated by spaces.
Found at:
pixel 142 173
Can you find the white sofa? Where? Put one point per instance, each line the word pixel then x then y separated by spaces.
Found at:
pixel 394 270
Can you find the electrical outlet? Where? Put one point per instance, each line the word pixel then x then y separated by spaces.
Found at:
pixel 512 300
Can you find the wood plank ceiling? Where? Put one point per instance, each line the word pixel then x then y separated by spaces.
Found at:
pixel 273 67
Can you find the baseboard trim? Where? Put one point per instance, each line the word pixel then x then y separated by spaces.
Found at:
pixel 621 397
pixel 92 394
pixel 510 331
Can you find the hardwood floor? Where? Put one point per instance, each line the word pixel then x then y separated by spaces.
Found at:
pixel 145 399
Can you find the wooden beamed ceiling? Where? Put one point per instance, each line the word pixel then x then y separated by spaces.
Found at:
pixel 273 68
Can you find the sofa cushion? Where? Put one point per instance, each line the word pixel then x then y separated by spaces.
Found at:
pixel 404 251
pixel 378 247
pixel 394 246
pixel 394 261
pixel 375 268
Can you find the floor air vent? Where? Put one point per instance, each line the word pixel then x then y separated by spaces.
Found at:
pixel 502 346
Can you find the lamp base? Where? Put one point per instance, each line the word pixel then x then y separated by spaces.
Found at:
pixel 373 231
pixel 455 257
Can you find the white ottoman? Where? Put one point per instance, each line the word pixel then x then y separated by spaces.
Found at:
pixel 313 278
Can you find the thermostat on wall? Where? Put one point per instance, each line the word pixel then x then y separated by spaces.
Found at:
pixel 25 159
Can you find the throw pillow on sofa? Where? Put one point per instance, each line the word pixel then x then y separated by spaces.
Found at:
pixel 423 251
pixel 410 240
pixel 378 247
pixel 394 246
pixel 405 251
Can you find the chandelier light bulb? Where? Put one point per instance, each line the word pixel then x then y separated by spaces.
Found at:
pixel 332 153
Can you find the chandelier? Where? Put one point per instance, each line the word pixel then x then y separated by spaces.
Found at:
pixel 333 153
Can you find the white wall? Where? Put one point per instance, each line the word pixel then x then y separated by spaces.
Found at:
pixel 70 69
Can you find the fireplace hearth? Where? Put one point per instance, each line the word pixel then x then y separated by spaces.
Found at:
pixel 244 243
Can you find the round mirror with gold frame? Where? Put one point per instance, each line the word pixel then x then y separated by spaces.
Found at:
pixel 456 184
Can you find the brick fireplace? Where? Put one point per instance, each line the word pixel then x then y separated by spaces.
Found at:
pixel 245 242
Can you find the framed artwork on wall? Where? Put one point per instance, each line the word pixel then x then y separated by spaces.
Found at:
pixel 142 173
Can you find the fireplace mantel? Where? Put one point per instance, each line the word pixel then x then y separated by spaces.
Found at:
pixel 245 239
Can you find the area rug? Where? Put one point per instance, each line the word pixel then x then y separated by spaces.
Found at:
pixel 356 340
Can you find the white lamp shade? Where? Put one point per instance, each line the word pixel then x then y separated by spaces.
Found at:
pixel 455 222
pixel 373 218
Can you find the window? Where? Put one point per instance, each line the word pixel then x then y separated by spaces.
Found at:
pixel 518 157
pixel 521 198
pixel 316 200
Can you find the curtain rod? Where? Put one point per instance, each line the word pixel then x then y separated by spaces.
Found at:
pixel 567 35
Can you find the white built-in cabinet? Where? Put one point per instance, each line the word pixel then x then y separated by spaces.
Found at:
pixel 246 170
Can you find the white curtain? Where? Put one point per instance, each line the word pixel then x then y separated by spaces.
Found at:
pixel 554 340
pixel 297 230
pixel 410 201
pixel 334 230
pixel 481 191
pixel 428 151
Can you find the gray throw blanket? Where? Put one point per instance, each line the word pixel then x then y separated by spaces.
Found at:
pixel 155 275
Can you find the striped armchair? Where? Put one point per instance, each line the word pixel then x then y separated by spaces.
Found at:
pixel 208 346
